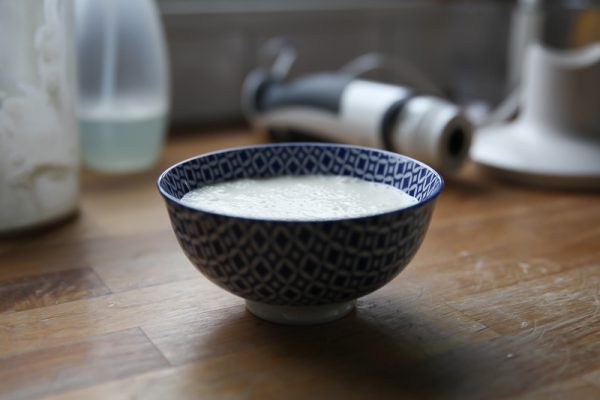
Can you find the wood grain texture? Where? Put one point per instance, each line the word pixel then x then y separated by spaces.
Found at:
pixel 95 359
pixel 572 389
pixel 50 288
pixel 502 301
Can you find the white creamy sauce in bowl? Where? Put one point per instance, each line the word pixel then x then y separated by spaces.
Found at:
pixel 299 198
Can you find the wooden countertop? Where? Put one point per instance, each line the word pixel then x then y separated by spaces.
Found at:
pixel 503 299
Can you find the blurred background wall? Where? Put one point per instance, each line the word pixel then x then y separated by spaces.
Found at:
pixel 213 44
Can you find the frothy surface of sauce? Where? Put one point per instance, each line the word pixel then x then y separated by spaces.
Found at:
pixel 299 198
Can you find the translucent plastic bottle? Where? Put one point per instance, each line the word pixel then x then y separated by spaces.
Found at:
pixel 123 84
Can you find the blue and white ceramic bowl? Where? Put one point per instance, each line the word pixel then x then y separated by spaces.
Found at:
pixel 300 271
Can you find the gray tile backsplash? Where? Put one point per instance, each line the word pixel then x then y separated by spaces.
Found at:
pixel 462 47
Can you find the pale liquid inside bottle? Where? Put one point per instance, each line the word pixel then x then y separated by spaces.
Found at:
pixel 122 140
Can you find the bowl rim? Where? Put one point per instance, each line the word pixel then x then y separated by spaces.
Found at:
pixel 420 203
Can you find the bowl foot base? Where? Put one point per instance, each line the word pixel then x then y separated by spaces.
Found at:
pixel 300 315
